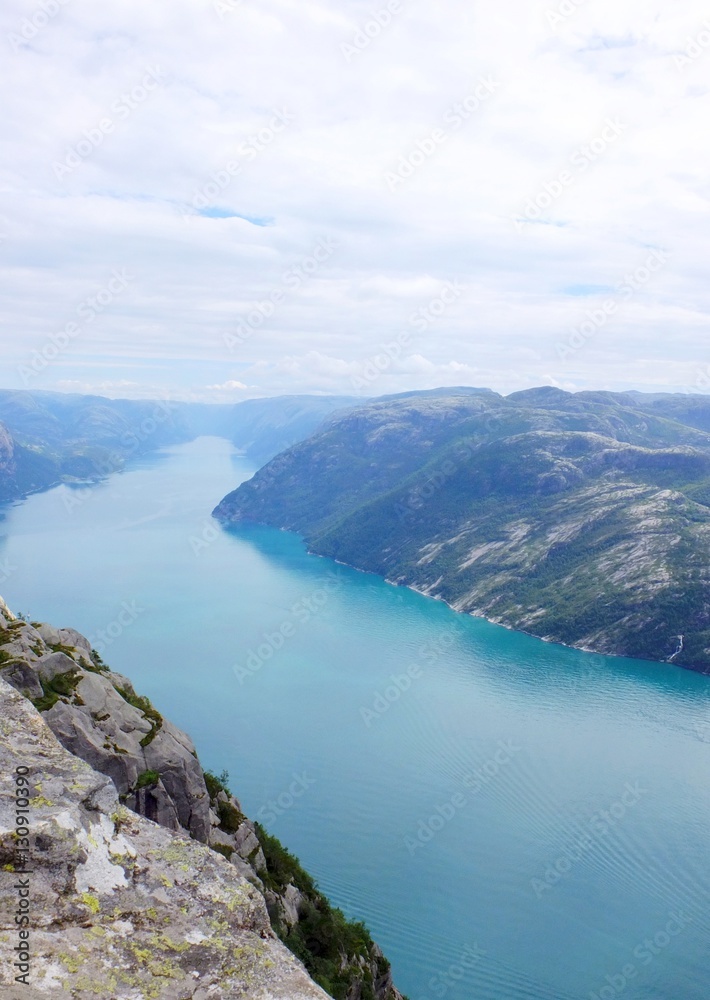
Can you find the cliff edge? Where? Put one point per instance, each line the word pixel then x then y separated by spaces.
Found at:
pixel 148 881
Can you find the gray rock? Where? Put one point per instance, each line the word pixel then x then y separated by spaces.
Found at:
pixel 51 665
pixel 292 901
pixel 122 907
pixel 155 803
pixel 23 678
pixel 50 634
pixel 102 721
pixel 70 637
pixel 171 754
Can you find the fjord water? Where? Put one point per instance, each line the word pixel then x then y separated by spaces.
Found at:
pixel 514 820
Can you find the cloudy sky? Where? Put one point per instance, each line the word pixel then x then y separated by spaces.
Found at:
pixel 219 199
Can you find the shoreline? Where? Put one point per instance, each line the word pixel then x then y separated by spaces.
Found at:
pixel 670 662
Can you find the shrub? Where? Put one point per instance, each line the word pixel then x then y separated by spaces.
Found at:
pixel 215 784
pixel 147 778
pixel 230 819
pixel 62 686
pixel 144 705
pixel 328 944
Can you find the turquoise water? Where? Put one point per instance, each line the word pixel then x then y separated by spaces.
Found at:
pixel 512 819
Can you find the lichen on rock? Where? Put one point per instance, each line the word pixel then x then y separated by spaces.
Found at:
pixel 162 907
pixel 121 907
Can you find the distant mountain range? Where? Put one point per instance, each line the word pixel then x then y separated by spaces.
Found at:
pixel 581 518
pixel 47 437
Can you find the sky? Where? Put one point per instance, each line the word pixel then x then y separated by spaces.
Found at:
pixel 222 199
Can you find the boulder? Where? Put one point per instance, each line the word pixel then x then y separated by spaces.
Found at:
pixel 51 665
pixel 23 678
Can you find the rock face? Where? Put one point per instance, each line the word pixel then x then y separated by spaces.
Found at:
pixel 122 908
pixel 7 462
pixel 582 518
pixel 142 764
pixel 97 715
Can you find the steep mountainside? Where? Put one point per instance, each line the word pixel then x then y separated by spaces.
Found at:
pixel 58 437
pixel 48 437
pixel 262 428
pixel 582 518
pixel 198 917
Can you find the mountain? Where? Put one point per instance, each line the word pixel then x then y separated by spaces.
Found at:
pixel 50 437
pixel 198 902
pixel 262 428
pixel 60 437
pixel 582 518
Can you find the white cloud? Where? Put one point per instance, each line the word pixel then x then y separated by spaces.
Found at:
pixel 230 386
pixel 207 120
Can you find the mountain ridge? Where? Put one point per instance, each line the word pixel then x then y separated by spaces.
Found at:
pixel 47 437
pixel 580 518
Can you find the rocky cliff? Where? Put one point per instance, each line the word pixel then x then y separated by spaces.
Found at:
pixel 191 907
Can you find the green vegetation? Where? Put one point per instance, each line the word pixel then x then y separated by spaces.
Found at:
pixel 60 647
pixel 99 662
pixel 583 518
pixel 144 705
pixel 62 686
pixel 224 850
pixel 338 953
pixel 230 819
pixel 328 944
pixel 147 778
pixel 215 784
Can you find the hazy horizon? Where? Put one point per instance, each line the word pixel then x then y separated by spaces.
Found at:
pixel 221 200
